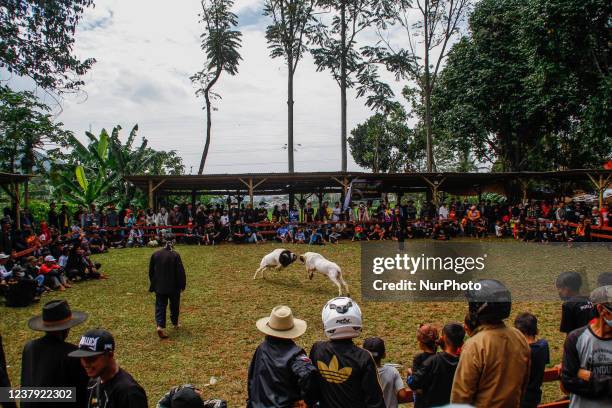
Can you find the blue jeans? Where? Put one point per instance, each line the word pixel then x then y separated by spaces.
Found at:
pixel 161 303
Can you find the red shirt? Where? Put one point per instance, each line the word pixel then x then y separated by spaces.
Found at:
pixel 45 269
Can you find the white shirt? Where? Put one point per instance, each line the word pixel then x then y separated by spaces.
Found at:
pixel 443 212
pixel 391 382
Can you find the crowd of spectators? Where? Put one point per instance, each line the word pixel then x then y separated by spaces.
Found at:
pixel 53 252
pixel 539 221
pixel 480 362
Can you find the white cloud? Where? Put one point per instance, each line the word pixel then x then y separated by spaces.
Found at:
pixel 146 51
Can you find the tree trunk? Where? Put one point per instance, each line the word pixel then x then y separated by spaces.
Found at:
pixel 208 126
pixel 427 92
pixel 343 85
pixel 290 113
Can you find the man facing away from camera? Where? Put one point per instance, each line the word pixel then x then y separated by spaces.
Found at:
pixel 167 279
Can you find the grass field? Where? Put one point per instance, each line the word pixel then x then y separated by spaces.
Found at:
pixel 219 310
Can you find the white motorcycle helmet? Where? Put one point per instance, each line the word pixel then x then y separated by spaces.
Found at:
pixel 341 318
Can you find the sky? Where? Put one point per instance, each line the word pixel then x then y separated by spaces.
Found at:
pixel 146 50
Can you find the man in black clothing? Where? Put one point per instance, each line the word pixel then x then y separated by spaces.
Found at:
pixel 349 377
pixel 4 378
pixel 167 279
pixel 281 374
pixel 109 386
pixel 434 378
pixel 45 361
pixel 576 310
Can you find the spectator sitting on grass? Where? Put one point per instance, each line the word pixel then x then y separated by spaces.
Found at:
pixel 316 237
pixel 300 238
pixel 188 396
pixel 282 234
pixel 527 324
pixel 391 381
pixel 334 236
pixel 358 234
pixel 53 273
pixel 434 378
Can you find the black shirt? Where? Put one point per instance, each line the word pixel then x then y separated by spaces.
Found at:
pixel 349 377
pixel 576 312
pixel 45 363
pixel 435 378
pixel 121 391
pixel 540 356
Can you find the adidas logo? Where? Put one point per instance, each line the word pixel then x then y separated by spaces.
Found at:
pixel 332 374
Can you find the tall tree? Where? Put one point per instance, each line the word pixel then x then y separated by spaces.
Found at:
pixel 26 129
pixel 220 43
pixel 383 143
pixel 38 40
pixel 529 89
pixel 336 48
pixel 287 39
pixel 429 39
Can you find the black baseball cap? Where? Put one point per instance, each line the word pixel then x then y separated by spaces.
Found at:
pixel 375 345
pixel 187 397
pixel 93 343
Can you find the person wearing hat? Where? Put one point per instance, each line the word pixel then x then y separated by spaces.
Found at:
pixel 586 371
pixel 188 396
pixel 45 362
pixel 348 374
pixel 280 373
pixel 109 386
pixel 167 280
pixel 4 378
pixel 54 276
pixel 493 369
pixel 4 273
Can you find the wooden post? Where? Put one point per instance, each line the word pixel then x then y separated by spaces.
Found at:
pixel 601 191
pixel 151 203
pixel 193 198
pixel 17 210
pixel 251 198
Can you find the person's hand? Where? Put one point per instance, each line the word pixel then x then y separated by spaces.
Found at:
pixel 584 374
pixel 409 371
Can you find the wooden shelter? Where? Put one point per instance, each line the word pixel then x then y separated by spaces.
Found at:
pixel 318 183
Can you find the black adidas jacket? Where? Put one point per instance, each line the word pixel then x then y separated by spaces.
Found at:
pixel 348 375
pixel 280 374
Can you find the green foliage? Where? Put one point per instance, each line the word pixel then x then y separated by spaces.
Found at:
pixel 220 43
pixel 25 128
pixel 383 143
pixel 291 22
pixel 95 173
pixel 530 88
pixel 38 42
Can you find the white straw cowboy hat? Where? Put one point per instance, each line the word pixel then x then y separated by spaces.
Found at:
pixel 281 323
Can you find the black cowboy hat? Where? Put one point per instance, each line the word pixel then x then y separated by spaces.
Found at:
pixel 56 316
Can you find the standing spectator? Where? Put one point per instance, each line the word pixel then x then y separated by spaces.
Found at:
pixel 483 379
pixel 587 357
pixel 577 310
pixel 45 361
pixel 434 378
pixel 349 377
pixel 309 213
pixel 109 386
pixel 336 212
pixel 167 279
pixel 4 378
pixel 64 219
pixel 527 324
pixel 52 217
pixel 280 373
pixel 112 218
pixel 443 212
pixel 427 338
pixel 391 381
